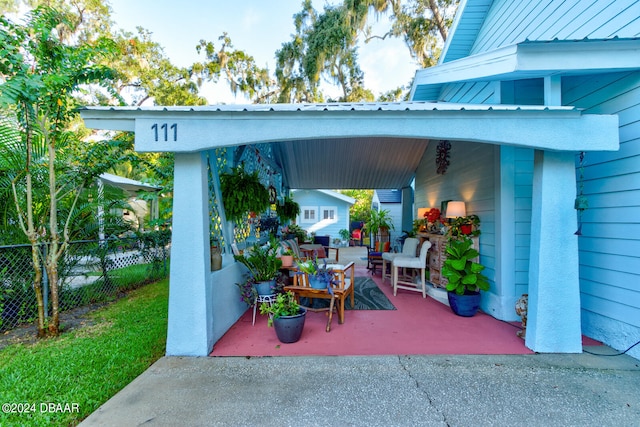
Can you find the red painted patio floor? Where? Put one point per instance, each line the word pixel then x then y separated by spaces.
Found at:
pixel 418 326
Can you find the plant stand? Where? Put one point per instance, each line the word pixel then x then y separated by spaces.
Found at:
pixel 262 298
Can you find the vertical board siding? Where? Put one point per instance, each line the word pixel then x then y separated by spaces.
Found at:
pixel 470 177
pixel 610 244
pixel 510 22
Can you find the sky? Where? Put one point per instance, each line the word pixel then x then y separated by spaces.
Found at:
pixel 259 27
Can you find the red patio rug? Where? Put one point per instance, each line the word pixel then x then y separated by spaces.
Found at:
pixel 418 326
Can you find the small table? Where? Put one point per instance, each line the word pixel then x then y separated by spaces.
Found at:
pixel 309 248
pixel 262 298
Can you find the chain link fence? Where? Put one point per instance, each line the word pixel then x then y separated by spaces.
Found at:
pixel 90 271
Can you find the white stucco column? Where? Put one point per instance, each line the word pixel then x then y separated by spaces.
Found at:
pixel 189 329
pixel 553 324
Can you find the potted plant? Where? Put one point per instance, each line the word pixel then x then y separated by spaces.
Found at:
pixel 465 226
pixel 464 275
pixel 294 231
pixel 263 264
pixel 344 236
pixel 287 258
pixel 248 293
pixel 378 220
pixel 320 277
pixel 288 210
pixel 242 193
pixel 286 316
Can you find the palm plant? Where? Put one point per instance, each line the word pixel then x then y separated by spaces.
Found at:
pixel 36 102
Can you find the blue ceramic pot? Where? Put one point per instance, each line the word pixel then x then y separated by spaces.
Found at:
pixel 289 328
pixel 265 288
pixel 317 282
pixel 465 305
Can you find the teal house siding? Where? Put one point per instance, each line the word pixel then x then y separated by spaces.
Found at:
pixel 511 22
pixel 610 244
pixel 319 201
pixel 609 247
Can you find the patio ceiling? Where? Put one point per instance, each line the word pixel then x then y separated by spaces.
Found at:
pixel 355 163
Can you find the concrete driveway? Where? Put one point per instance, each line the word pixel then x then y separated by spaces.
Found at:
pixel 530 390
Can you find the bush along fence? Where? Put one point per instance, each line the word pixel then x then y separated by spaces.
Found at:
pixel 91 271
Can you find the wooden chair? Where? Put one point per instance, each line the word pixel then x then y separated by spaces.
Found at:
pixel 374 255
pixel 344 276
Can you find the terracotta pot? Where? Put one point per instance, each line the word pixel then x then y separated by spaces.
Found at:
pixel 287 260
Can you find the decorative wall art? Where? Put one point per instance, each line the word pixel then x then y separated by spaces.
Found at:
pixel 442 157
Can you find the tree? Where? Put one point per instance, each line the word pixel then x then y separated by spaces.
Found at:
pixel 238 68
pixel 361 209
pixel 40 74
pixel 324 46
pixel 423 24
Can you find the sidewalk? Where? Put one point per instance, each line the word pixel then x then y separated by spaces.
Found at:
pixel 516 390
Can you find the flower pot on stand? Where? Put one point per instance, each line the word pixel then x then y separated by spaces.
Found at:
pixel 266 287
pixel 289 328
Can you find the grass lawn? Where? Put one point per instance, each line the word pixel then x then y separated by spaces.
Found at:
pixel 61 381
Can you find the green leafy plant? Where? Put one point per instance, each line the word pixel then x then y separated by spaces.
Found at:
pixel 458 224
pixel 299 232
pixel 344 234
pixel 288 210
pixel 242 193
pixel 463 273
pixel 262 261
pixel 313 269
pixel 379 220
pixel 284 305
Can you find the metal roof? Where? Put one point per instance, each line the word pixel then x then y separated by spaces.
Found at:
pixel 531 59
pixel 389 196
pixel 130 185
pixel 353 145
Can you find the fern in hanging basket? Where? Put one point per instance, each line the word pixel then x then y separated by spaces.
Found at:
pixel 289 210
pixel 242 193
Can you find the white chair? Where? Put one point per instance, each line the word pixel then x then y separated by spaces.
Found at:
pixel 408 249
pixel 418 263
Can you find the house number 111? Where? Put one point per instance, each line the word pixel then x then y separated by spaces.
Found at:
pixel 164 129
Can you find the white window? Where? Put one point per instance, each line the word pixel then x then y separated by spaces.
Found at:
pixel 308 214
pixel 328 213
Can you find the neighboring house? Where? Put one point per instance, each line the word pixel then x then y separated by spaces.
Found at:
pixel 140 209
pixel 390 200
pixel 323 212
pixel 521 89
pixel 548 52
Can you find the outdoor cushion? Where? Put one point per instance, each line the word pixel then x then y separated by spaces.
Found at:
pixel 382 246
pixel 290 244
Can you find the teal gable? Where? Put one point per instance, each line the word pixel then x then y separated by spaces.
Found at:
pixel 553 53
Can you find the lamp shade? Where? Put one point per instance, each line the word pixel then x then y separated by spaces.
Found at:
pixel 422 212
pixel 456 209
